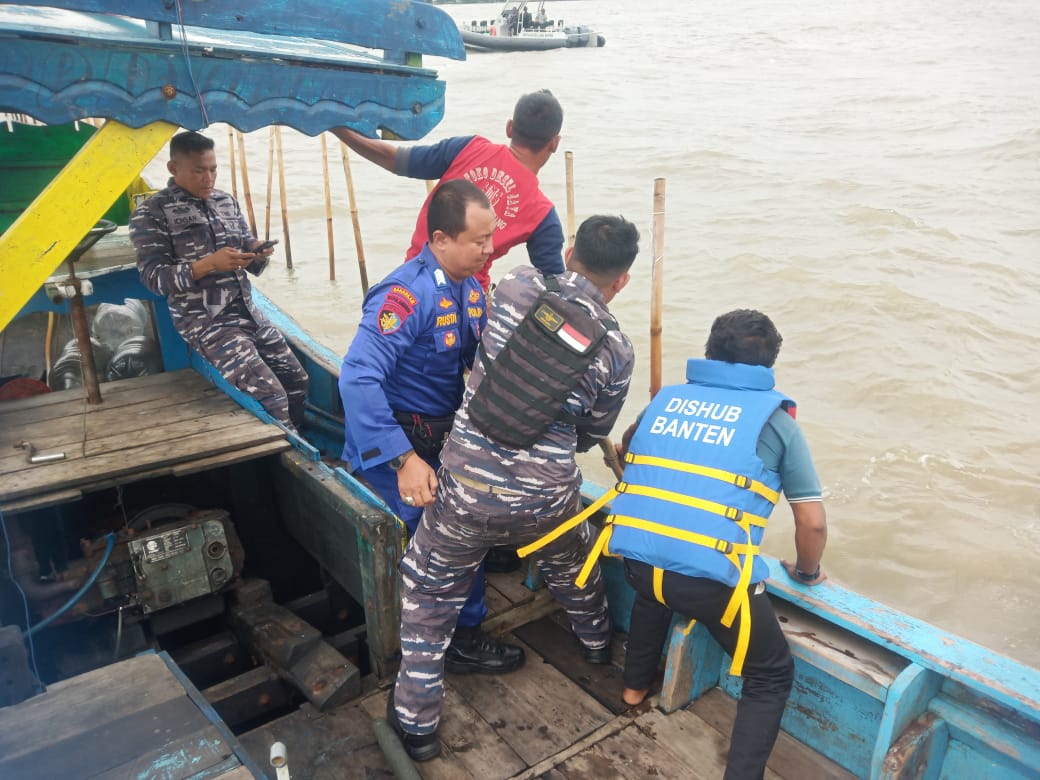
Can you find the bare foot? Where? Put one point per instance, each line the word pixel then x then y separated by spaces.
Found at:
pixel 633 697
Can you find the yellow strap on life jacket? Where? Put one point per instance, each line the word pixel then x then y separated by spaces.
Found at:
pixel 659 585
pixel 728 477
pixel 566 525
pixel 729 512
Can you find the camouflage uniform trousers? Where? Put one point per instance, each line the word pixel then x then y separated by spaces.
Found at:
pixel 257 360
pixel 437 575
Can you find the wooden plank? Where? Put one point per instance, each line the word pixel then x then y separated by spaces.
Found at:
pixel 238 773
pixel 496 602
pixel 185 383
pixel 557 644
pixel 536 709
pixel 106 742
pixel 335 745
pixel 658 746
pixel 77 471
pixel 511 585
pixel 471 748
pixel 229 458
pixel 839 653
pixel 258 692
pixel 183 758
pixel 41 501
pixel 790 758
pixel 545 770
pixel 176 422
pixel 72 706
pixel 541 605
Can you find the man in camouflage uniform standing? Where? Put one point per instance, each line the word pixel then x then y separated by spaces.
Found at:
pixel 194 246
pixel 490 494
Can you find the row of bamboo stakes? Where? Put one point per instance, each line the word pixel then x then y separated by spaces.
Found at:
pixel 236 140
pixel 237 149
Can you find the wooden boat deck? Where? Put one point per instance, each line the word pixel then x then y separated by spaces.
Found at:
pixel 171 423
pixel 557 718
pixel 138 718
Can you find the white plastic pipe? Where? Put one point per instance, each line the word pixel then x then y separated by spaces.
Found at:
pixel 280 760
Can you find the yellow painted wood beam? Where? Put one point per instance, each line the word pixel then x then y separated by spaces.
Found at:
pixel 49 229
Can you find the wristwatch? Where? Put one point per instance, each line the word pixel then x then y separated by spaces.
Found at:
pixel 398 463
pixel 806 576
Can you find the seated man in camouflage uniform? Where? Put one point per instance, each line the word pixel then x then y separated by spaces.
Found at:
pixel 194 246
pixel 492 494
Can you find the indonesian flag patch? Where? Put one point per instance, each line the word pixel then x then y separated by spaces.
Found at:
pixel 572 338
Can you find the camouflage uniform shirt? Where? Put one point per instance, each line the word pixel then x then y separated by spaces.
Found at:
pixel 173 229
pixel 547 466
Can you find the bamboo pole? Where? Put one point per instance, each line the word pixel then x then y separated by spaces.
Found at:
pixel 354 218
pixel 231 152
pixel 245 180
pixel 657 288
pixel 281 194
pixel 609 451
pixel 270 179
pixel 328 207
pixel 568 158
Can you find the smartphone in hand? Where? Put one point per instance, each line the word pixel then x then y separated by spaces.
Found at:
pixel 265 245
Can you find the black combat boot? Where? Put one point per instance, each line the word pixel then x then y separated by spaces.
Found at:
pixel 419 747
pixel 473 651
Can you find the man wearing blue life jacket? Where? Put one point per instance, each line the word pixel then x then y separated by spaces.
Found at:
pixel 704 468
pixel 403 377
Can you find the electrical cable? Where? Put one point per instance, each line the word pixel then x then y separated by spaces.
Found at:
pixel 25 600
pixel 187 61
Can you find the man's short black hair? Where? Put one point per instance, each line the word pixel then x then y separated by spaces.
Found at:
pixel 189 142
pixel 744 336
pixel 447 209
pixel 537 119
pixel 606 246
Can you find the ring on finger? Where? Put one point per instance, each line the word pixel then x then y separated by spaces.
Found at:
pixel 409 500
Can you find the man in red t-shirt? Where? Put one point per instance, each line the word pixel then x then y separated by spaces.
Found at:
pixel 507 173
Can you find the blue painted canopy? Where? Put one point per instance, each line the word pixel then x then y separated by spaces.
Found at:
pixel 284 62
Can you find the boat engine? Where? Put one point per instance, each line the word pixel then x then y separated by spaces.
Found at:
pixel 176 562
pixel 167 555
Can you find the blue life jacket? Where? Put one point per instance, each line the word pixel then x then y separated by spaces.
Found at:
pixel 695 497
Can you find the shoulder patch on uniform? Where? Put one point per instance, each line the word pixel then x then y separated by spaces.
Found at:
pixel 474 296
pixel 397 307
pixel 549 318
pixel 403 293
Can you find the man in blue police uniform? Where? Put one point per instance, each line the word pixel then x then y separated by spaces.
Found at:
pixel 402 380
pixel 705 466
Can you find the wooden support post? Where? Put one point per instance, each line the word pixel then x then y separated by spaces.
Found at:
pixel 354 218
pixel 328 207
pixel 234 167
pixel 281 193
pixel 245 180
pixel 683 680
pixel 657 291
pixel 569 167
pixel 270 180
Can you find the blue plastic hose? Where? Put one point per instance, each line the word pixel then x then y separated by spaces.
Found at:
pixel 111 537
